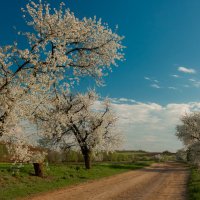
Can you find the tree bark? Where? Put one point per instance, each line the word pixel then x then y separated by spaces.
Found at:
pixel 38 167
pixel 87 159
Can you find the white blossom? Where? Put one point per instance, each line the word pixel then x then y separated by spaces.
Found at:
pixel 74 118
pixel 189 130
pixel 60 49
pixel 189 133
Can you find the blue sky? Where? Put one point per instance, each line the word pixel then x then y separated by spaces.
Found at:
pixel 162 40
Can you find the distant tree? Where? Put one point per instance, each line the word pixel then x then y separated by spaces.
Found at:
pixel 158 157
pixel 166 152
pixel 193 154
pixel 189 133
pixel 181 155
pixel 189 130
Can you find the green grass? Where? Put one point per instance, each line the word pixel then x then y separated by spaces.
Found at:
pixel 194 184
pixel 57 176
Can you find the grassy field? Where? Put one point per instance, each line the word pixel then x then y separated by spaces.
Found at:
pixel 24 183
pixel 194 184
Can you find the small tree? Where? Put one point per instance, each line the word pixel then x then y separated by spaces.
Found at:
pixel 193 154
pixel 189 130
pixel 22 150
pixel 181 155
pixel 88 123
pixel 189 133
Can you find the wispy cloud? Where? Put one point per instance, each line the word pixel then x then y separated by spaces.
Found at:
pixel 192 80
pixel 186 86
pixel 178 82
pixel 187 70
pixel 154 82
pixel 155 86
pixel 147 78
pixel 151 79
pixel 126 100
pixel 175 76
pixel 195 83
pixel 122 100
pixel 172 88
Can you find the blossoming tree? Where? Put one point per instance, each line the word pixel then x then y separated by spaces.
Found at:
pixel 23 148
pixel 189 130
pixel 60 49
pixel 82 121
pixel 189 133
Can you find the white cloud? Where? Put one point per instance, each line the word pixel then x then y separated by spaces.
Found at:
pixel 172 88
pixel 175 76
pixel 147 78
pixel 150 79
pixel 126 100
pixel 195 83
pixel 150 138
pixel 151 126
pixel 155 86
pixel 187 70
pixel 156 81
pixel 121 100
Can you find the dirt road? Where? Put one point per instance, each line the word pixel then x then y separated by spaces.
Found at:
pixel 159 182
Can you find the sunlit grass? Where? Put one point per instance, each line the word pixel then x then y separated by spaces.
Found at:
pixel 194 184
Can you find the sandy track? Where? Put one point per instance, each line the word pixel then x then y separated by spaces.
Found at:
pixel 160 181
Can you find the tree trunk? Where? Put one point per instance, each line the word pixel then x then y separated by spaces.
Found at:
pixel 87 159
pixel 38 167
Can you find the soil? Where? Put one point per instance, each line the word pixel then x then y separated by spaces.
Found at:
pixel 163 181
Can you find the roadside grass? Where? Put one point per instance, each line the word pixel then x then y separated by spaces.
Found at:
pixel 194 184
pixel 24 183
